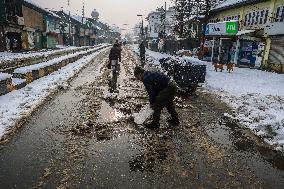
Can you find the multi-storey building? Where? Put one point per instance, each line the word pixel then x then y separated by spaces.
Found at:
pixel 251 29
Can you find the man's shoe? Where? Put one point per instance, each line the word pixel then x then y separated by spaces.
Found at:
pixel 152 125
pixel 173 121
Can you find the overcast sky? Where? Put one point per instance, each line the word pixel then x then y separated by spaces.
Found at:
pixel 117 12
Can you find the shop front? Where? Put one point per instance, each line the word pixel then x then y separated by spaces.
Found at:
pixel 276 53
pixel 250 49
pixel 220 44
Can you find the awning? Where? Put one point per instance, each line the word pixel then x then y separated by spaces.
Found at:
pixel 244 32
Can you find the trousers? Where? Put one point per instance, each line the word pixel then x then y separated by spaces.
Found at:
pixel 165 98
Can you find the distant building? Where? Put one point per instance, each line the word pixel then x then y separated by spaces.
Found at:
pixel 157 25
pixel 11 24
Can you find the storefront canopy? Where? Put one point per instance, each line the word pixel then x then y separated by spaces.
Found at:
pixel 244 32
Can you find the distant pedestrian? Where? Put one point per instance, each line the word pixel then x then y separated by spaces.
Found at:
pixel 161 91
pixel 114 59
pixel 142 50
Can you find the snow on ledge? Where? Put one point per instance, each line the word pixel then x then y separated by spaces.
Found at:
pixel 4 76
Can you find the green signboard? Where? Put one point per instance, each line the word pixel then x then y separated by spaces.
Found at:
pixel 231 27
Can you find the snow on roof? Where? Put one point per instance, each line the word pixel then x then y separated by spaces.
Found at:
pixel 4 76
pixel 78 18
pixel 228 3
pixel 40 7
pixel 244 32
pixel 194 17
pixel 52 13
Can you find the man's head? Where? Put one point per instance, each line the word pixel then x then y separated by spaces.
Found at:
pixel 138 73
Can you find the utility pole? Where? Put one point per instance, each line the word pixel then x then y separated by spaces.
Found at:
pixel 165 27
pixel 197 20
pixel 165 18
pixel 83 14
pixel 142 27
pixel 69 37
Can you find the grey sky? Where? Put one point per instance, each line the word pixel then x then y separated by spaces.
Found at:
pixel 117 12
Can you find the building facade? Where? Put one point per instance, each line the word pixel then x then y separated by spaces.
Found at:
pixel 258 40
pixel 32 34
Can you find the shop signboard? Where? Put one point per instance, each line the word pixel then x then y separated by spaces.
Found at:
pixel 222 28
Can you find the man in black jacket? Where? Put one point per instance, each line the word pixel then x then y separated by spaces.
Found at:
pixel 114 58
pixel 161 91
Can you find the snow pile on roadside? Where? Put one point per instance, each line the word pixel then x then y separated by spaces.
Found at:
pixel 30 68
pixel 257 97
pixel 156 56
pixel 9 56
pixel 19 103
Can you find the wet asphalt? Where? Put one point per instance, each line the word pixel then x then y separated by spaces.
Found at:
pixel 83 137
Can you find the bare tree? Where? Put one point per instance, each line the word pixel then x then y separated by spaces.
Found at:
pixel 186 9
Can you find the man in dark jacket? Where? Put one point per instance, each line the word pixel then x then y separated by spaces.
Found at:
pixel 114 58
pixel 142 50
pixel 161 91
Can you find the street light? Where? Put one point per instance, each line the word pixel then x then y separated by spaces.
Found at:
pixel 142 29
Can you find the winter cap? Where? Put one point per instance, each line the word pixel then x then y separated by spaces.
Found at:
pixel 138 70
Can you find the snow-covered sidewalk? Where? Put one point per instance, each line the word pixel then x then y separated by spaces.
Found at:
pixel 20 103
pixel 257 97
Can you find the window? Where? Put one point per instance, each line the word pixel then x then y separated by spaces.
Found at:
pixel 249 19
pixel 246 20
pixel 256 17
pixel 253 19
pixel 266 16
pixel 279 17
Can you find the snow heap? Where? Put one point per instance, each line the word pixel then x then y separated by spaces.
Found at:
pixel 30 68
pixel 40 7
pixel 257 97
pixel 8 56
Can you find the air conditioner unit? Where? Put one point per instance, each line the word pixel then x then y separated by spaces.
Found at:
pixel 21 21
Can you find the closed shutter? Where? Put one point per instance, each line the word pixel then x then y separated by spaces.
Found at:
pixel 276 55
